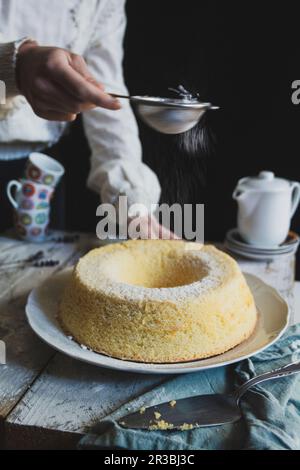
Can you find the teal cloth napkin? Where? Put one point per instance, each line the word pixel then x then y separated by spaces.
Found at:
pixel 271 410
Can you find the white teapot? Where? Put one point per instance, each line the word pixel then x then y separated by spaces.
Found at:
pixel 265 207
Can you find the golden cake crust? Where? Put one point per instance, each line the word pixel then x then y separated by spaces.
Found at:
pixel 158 301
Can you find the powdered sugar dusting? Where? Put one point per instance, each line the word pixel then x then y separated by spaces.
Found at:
pixel 215 268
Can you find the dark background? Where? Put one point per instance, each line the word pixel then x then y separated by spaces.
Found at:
pixel 242 56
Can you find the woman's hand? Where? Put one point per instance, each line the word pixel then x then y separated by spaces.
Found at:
pixel 58 84
pixel 148 227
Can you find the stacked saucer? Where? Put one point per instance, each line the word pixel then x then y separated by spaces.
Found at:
pixel 236 245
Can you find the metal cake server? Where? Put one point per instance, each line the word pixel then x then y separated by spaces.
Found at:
pixel 200 411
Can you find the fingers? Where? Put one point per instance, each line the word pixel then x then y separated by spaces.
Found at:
pixel 97 84
pixel 150 228
pixel 56 99
pixel 83 87
pixel 79 64
pixel 166 234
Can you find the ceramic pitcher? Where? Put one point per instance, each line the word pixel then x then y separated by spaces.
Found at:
pixel 266 205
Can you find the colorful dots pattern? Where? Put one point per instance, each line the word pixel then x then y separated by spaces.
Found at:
pixel 36 232
pixel 33 173
pixel 27 204
pixel 41 219
pixel 28 190
pixel 26 219
pixel 43 194
pixel 48 180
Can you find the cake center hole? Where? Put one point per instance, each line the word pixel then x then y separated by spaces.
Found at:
pixel 158 271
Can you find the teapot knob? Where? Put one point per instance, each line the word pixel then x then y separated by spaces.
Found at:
pixel 266 175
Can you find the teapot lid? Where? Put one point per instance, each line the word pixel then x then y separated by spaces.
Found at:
pixel 266 181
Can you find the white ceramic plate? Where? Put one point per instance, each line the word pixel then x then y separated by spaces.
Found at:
pixel 42 309
pixel 257 256
pixel 233 238
pixel 286 249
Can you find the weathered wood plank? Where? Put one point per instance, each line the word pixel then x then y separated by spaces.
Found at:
pixel 62 252
pixel 70 397
pixel 7 242
pixel 279 273
pixel 10 278
pixel 26 354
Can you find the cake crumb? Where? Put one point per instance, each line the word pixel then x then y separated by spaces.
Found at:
pixel 173 403
pixel 161 424
pixel 84 347
pixel 186 427
pixel 157 415
pixel 142 410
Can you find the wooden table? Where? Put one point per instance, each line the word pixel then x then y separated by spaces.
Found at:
pixel 48 400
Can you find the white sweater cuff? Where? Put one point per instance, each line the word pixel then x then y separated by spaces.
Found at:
pixel 8 56
pixel 143 193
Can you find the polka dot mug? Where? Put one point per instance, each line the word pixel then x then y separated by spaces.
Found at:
pixel 31 202
pixel 43 170
pixel 32 226
pixel 28 195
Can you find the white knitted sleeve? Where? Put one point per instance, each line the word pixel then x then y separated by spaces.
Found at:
pixel 8 56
